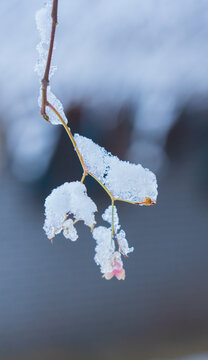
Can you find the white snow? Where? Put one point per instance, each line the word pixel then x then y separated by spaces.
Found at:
pixel 124 180
pixel 107 216
pixel 56 104
pixel 43 23
pixel 123 243
pixel 104 249
pixel 68 199
pixel 120 236
pixel 69 230
pixel 106 255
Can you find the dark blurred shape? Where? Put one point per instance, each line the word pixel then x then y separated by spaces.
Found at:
pixel 187 147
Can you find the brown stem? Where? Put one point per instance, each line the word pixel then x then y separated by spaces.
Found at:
pixel 45 79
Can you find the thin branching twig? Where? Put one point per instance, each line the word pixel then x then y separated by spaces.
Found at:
pixel 45 79
pixel 45 103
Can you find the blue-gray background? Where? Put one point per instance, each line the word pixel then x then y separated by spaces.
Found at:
pixel 134 78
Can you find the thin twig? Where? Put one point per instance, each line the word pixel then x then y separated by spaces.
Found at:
pixel 45 84
pixel 120 248
pixel 112 220
pixel 103 186
pixel 86 172
pixel 84 176
pixel 70 136
pixel 45 79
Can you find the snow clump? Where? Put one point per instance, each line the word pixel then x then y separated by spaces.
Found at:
pixel 106 255
pixel 69 199
pixel 125 181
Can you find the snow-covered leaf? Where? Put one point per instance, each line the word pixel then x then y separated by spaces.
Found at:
pixel 68 199
pixel 125 181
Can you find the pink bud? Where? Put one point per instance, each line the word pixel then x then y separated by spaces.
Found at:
pixel 118 272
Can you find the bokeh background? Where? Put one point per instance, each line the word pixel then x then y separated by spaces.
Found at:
pixel 133 76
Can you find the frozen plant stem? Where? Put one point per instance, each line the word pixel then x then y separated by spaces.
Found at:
pixel 45 79
pixel 69 203
pixel 45 103
pixel 112 221
pixel 83 176
pixel 85 171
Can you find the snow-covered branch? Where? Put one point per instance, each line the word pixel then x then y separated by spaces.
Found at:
pixel 122 181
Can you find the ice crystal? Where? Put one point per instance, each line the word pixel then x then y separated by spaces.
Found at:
pixel 68 199
pixel 126 181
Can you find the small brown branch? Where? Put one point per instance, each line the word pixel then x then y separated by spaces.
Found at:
pixel 120 248
pixel 45 79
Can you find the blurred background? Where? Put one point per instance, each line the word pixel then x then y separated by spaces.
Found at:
pixel 133 76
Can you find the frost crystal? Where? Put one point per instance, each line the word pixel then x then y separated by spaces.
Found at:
pixel 124 180
pixel 68 199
